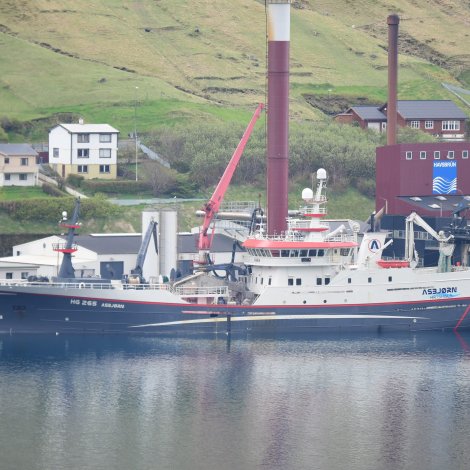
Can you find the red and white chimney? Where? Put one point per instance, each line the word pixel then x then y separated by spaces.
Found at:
pixel 278 114
pixel 392 21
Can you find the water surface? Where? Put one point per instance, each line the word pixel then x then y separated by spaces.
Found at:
pixel 321 402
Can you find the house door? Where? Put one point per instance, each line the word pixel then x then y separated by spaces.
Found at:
pixel 111 269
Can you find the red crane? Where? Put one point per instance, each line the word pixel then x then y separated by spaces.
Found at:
pixel 212 206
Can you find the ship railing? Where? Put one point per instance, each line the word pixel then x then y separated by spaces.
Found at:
pixel 284 236
pixel 202 291
pixel 86 285
pixel 296 224
pixel 313 210
pixel 343 237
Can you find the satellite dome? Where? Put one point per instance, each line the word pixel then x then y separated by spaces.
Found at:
pixel 321 174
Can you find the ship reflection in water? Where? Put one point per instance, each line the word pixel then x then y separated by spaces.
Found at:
pixel 324 402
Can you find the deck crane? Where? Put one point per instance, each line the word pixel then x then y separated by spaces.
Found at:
pixel 446 246
pixel 136 275
pixel 212 206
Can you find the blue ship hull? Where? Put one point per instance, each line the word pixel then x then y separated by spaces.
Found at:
pixel 44 313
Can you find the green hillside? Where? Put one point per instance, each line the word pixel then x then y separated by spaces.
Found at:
pixel 178 60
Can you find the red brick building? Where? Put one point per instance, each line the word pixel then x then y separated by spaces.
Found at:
pixel 441 118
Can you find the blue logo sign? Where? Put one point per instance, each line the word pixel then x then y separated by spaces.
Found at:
pixel 444 178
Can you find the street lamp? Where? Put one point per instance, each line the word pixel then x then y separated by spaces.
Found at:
pixel 135 130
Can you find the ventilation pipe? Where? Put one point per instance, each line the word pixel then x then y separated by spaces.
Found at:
pixel 392 21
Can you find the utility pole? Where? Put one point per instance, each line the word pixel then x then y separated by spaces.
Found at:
pixel 135 130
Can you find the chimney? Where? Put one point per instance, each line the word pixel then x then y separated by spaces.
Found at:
pixel 392 21
pixel 277 158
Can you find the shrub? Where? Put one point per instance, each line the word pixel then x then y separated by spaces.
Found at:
pixel 52 190
pixel 116 187
pixel 74 180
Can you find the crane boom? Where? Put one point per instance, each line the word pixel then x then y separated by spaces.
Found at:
pixel 212 206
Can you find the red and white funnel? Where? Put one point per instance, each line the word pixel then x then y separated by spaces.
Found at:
pixel 278 114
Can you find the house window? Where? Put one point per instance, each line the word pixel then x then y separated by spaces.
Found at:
pixel 384 126
pixel 409 155
pixel 83 138
pixel 290 281
pixel 105 137
pixel 105 153
pixel 83 153
pixel 23 176
pixel 8 275
pixel 7 160
pixel 82 169
pixel 24 162
pixel 319 281
pixel 55 152
pixel 450 125
pixel 104 169
pixel 414 124
pixel 429 124
pixel 369 280
pixel 7 176
pixel 298 281
pixel 422 155
pixel 390 278
pixel 464 153
pixel 450 154
pixel 327 281
pixel 437 154
pixel 24 275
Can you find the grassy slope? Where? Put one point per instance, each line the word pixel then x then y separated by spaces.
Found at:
pixel 206 60
pixel 200 60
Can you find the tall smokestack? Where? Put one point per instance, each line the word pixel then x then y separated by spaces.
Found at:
pixel 278 114
pixel 392 21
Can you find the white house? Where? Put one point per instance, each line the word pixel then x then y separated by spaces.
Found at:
pixel 89 150
pixel 18 165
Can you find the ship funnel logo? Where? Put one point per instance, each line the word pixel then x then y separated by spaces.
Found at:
pixel 444 179
pixel 375 245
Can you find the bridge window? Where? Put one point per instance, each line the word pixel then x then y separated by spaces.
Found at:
pixel 312 252
pixel 294 253
pixel 275 253
pixel 344 252
pixel 285 253
pixel 303 253
pixel 437 154
pixel 389 278
pixel 321 252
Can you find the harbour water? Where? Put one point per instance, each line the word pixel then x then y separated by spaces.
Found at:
pixel 320 402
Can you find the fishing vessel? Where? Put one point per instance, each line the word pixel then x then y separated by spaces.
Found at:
pixel 296 274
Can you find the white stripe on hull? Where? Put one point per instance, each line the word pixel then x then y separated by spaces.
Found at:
pixel 280 317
